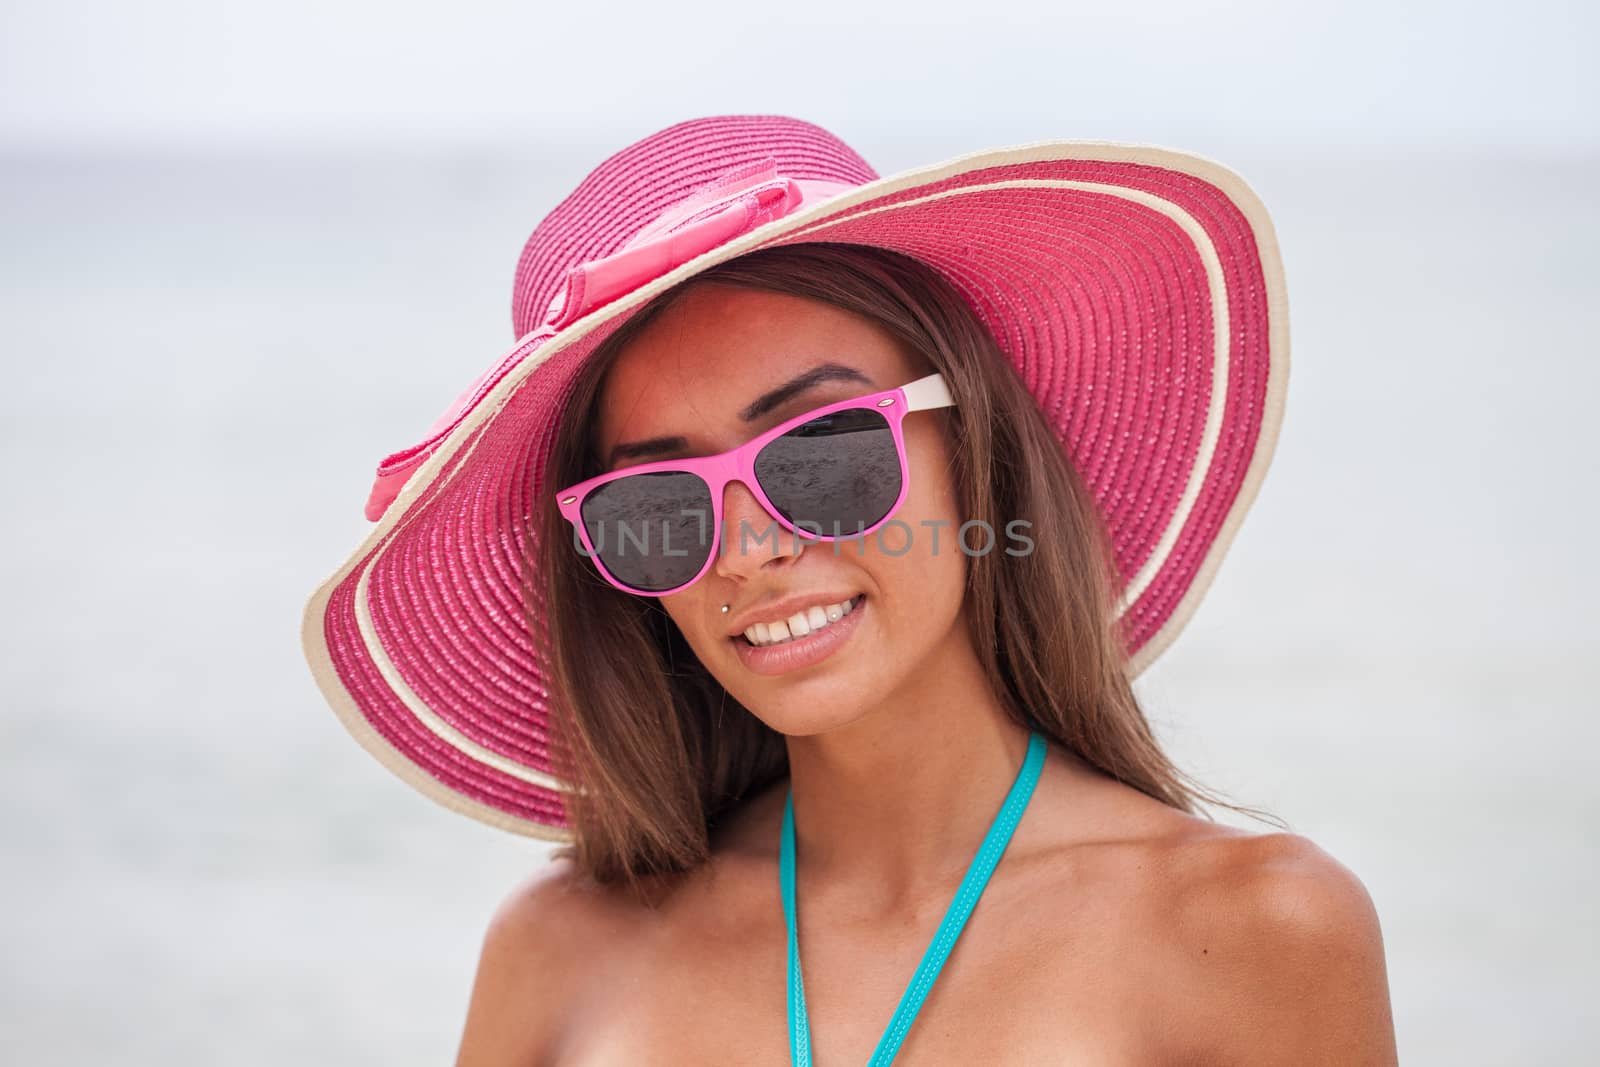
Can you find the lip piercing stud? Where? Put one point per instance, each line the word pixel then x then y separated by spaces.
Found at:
pixel 724 609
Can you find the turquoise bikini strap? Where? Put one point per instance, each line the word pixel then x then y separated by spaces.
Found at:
pixel 966 898
pixel 799 1024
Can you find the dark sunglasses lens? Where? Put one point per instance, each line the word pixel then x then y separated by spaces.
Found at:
pixel 836 475
pixel 652 531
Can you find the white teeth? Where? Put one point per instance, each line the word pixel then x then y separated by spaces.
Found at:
pixel 800 624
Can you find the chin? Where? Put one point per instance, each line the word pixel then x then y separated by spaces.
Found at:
pixel 800 712
pixel 803 724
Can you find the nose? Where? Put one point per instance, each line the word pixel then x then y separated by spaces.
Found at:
pixel 751 537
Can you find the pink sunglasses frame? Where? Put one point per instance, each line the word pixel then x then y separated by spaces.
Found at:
pixel 738 465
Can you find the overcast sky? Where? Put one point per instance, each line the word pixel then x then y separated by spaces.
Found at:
pixel 215 71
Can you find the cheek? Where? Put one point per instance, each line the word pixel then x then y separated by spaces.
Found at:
pixel 919 554
pixel 686 607
pixel 931 508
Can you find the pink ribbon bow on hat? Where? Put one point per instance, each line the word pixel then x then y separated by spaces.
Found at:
pixel 730 206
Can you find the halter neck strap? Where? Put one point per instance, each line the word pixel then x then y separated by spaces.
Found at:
pixel 955 918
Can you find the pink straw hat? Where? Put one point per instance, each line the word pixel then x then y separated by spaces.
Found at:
pixel 1137 292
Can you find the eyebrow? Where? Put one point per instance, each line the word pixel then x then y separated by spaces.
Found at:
pixel 764 404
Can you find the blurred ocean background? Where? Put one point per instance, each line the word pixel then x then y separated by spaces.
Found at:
pixel 246 253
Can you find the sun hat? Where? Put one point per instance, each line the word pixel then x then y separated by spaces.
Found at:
pixel 1137 291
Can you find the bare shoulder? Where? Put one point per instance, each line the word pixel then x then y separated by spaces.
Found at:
pixel 534 960
pixel 1286 948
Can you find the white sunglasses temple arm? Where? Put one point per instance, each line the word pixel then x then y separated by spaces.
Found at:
pixel 929 392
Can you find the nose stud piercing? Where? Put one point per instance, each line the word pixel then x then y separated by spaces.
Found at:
pixel 724 609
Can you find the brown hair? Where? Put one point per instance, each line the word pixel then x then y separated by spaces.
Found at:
pixel 662 751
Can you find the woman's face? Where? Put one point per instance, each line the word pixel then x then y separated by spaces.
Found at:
pixel 696 372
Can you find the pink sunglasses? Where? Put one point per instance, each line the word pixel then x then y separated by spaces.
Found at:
pixel 655 528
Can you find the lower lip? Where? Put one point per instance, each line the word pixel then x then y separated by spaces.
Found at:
pixel 802 651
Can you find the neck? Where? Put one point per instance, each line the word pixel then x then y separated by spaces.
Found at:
pixel 895 804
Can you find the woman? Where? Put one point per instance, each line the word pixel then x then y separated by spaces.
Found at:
pixel 836 579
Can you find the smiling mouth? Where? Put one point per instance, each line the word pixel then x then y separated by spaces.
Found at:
pixel 798 626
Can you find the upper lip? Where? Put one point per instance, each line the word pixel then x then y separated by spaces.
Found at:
pixel 782 609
